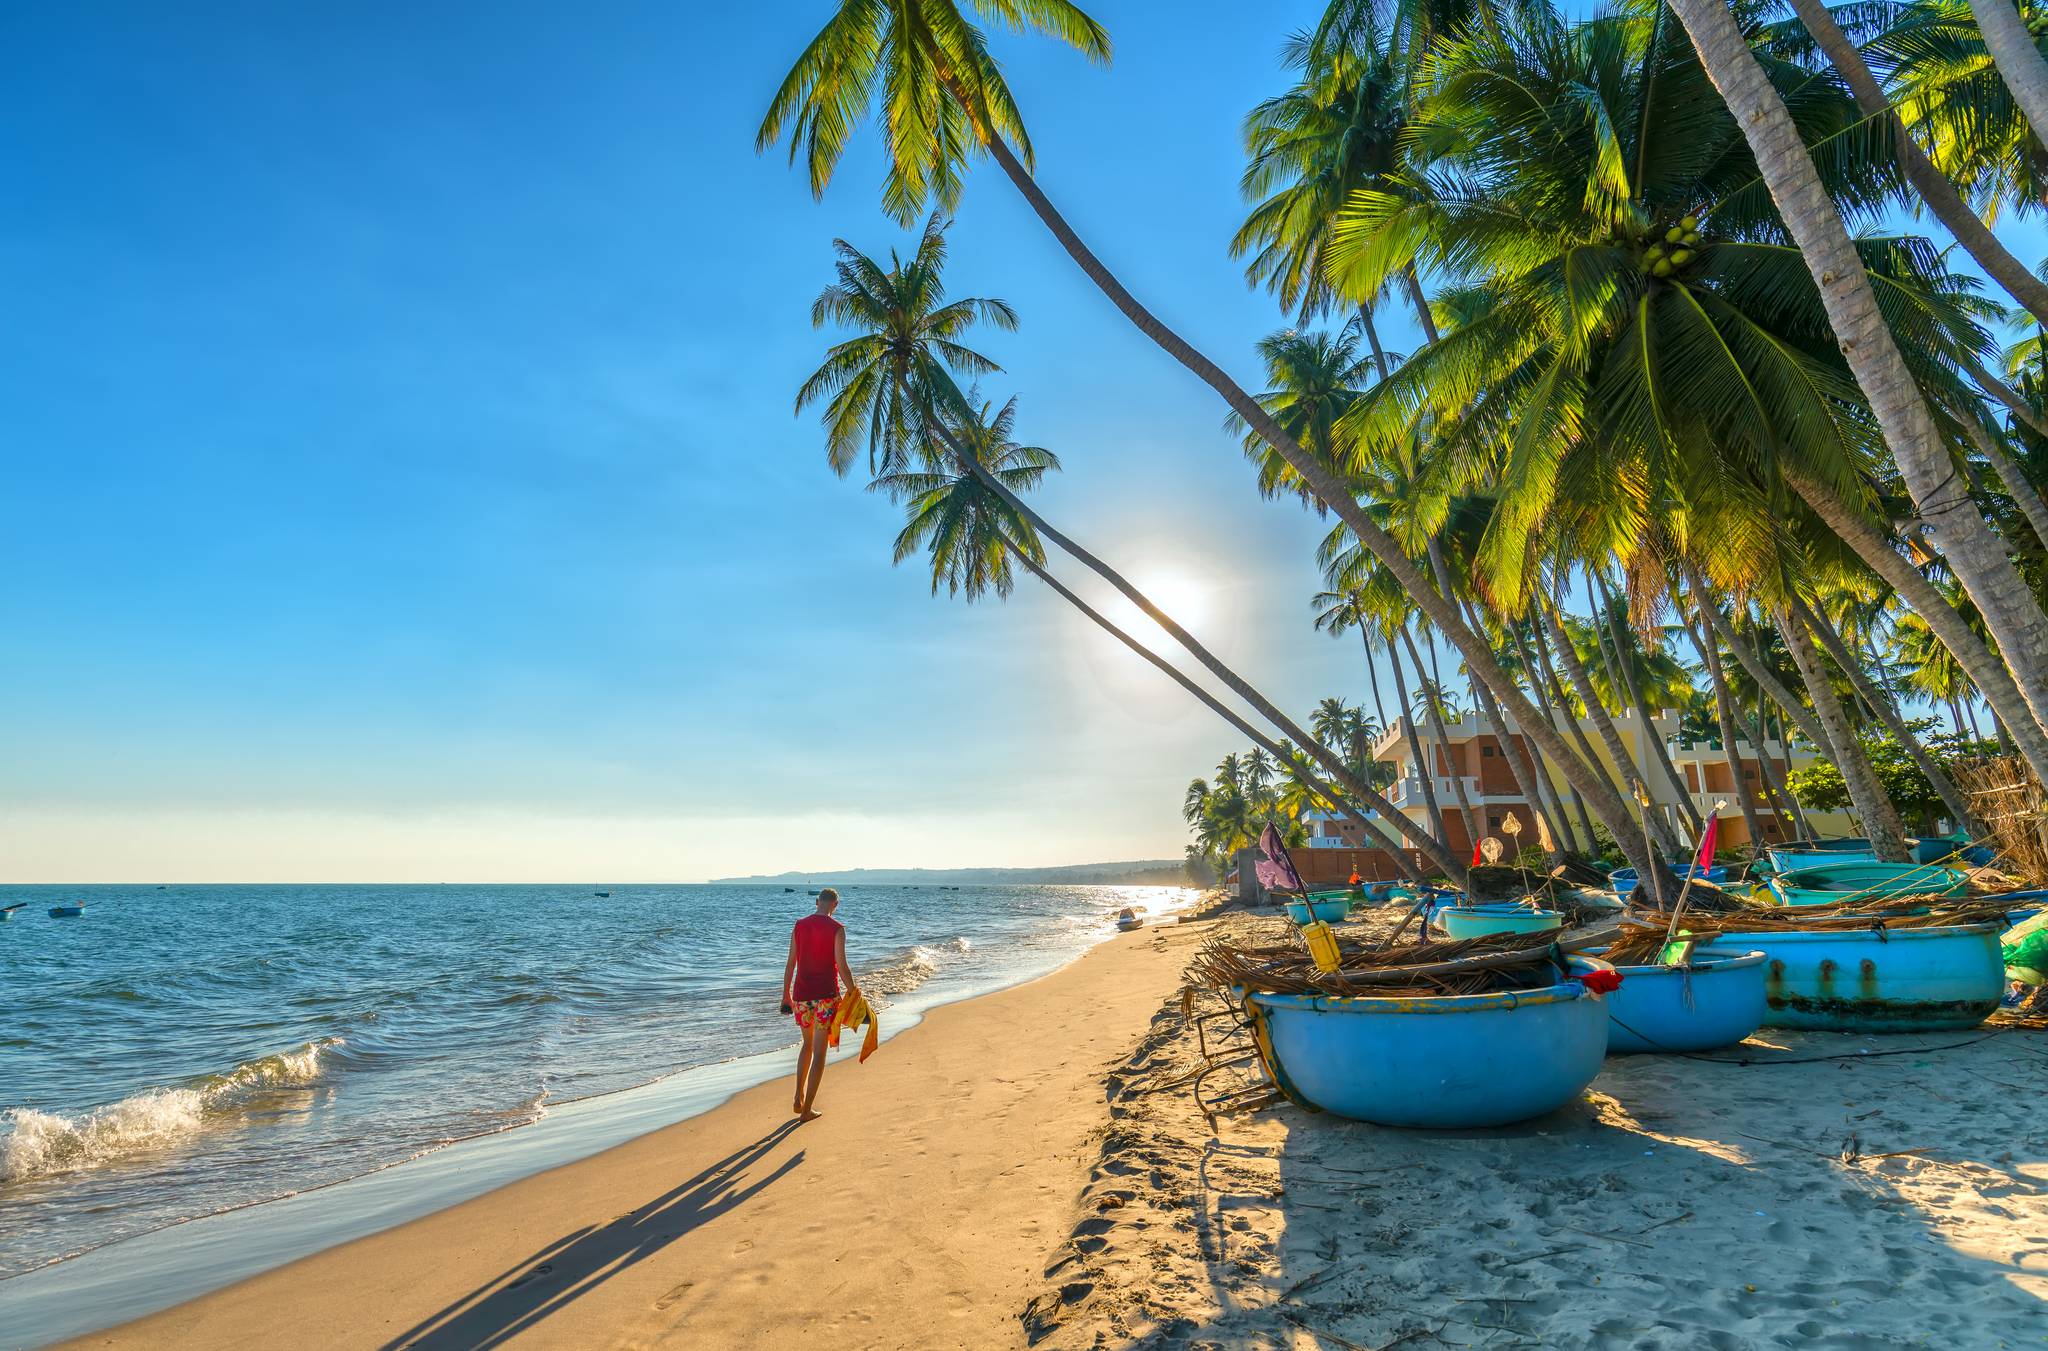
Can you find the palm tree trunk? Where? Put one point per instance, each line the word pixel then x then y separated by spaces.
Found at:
pixel 1237 684
pixel 1610 736
pixel 1990 675
pixel 1880 818
pixel 1423 768
pixel 1443 738
pixel 1934 188
pixel 1372 676
pixel 1774 778
pixel 2009 473
pixel 1766 679
pixel 1216 706
pixel 1421 303
pixel 1329 488
pixel 1976 733
pixel 2018 60
pixel 1885 711
pixel 2002 392
pixel 1563 702
pixel 1634 686
pixel 1724 717
pixel 1372 338
pixel 1975 553
pixel 1542 682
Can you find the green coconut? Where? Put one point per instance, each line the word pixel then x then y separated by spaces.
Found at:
pixel 1689 222
pixel 1662 269
pixel 1681 257
pixel 1691 238
pixel 1673 235
pixel 1655 252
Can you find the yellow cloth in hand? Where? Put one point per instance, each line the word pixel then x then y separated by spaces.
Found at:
pixel 853 1011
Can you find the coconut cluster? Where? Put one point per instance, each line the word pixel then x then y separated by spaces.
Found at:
pixel 1678 247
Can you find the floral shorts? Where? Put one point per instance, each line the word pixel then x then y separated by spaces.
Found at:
pixel 812 1013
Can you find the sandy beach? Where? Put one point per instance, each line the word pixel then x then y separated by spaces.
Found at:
pixel 1029 1168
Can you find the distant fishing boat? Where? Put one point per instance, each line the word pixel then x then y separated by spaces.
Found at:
pixel 601 893
pixel 67 911
pixel 812 892
pixel 7 911
pixel 1127 919
pixel 789 891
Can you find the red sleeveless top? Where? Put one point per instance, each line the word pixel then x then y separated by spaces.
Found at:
pixel 817 958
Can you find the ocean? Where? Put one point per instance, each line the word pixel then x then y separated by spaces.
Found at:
pixel 181 1051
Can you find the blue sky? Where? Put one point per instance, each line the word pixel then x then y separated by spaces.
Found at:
pixel 403 481
pixel 403 484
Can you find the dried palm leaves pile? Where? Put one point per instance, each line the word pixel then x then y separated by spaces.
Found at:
pixel 1642 937
pixel 1483 965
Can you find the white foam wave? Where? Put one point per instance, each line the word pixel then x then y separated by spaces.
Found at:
pixel 913 968
pixel 43 1144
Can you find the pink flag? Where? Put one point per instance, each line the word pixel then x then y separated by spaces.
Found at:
pixel 1276 870
pixel 1713 829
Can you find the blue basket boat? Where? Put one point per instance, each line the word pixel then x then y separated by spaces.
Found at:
pixel 1869 881
pixel 66 911
pixel 1955 849
pixel 1473 921
pixel 1450 1062
pixel 1876 979
pixel 1326 911
pixel 1625 880
pixel 1716 1001
pixel 1819 853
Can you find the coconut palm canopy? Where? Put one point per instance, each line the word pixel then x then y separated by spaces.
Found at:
pixel 1658 373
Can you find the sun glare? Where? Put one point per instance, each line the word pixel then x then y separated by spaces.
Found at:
pixel 1180 595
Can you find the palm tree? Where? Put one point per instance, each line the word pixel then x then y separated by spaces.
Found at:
pixel 969 530
pixel 1336 130
pixel 955 517
pixel 892 384
pixel 926 65
pixel 1867 343
pixel 1930 184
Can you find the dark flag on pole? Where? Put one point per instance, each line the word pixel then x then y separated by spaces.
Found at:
pixel 1276 870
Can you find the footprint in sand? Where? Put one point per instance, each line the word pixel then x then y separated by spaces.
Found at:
pixel 672 1296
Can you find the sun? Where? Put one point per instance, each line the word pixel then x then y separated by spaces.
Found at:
pixel 1182 596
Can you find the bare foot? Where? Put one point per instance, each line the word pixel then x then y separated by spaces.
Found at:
pixel 796 1106
pixel 809 1114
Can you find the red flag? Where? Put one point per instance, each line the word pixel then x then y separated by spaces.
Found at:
pixel 1707 836
pixel 1477 859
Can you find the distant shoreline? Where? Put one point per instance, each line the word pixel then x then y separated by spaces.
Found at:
pixel 1138 873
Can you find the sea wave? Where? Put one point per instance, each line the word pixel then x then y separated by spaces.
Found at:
pixel 44 1144
pixel 916 966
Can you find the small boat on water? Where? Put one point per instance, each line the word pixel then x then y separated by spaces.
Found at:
pixel 1712 1001
pixel 1127 919
pixel 7 911
pixel 601 893
pixel 72 911
pixel 1865 880
pixel 1450 1062
pixel 1875 979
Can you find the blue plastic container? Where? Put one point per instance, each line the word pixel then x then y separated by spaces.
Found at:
pixel 1876 980
pixel 1716 1001
pixel 1452 1062
pixel 1473 921
pixel 1327 911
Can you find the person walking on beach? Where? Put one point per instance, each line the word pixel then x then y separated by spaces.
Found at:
pixel 811 990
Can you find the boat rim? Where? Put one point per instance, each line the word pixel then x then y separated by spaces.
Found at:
pixel 1562 992
pixel 1720 961
pixel 1890 935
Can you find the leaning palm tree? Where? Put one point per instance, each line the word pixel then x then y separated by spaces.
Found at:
pixel 1866 341
pixel 925 65
pixel 975 535
pixel 893 384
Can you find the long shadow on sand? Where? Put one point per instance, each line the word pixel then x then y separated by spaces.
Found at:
pixel 578 1262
